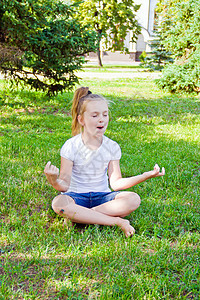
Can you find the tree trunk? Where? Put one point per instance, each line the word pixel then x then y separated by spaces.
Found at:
pixel 99 57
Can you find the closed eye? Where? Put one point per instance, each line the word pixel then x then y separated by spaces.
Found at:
pixel 96 115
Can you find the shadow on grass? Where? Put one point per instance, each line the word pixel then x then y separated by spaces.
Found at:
pixel 107 271
pixel 27 99
pixel 169 107
pixel 137 102
pixel 136 112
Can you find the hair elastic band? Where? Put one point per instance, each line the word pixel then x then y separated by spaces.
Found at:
pixel 80 101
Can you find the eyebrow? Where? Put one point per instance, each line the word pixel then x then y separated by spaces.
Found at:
pixel 97 112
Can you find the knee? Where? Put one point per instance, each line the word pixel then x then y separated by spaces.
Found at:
pixel 134 201
pixel 55 204
pixel 60 204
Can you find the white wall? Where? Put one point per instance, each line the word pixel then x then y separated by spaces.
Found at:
pixel 145 17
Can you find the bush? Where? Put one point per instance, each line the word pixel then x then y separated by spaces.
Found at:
pixel 182 78
pixel 180 26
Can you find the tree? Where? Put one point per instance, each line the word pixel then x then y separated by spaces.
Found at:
pixel 111 19
pixel 42 44
pixel 180 32
pixel 159 56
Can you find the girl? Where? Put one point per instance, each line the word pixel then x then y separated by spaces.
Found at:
pixel 88 160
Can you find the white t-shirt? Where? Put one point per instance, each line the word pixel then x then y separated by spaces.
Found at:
pixel 89 172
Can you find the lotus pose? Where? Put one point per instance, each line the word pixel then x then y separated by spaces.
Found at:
pixel 90 168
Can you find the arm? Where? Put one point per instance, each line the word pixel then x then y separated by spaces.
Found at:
pixel 118 183
pixel 60 181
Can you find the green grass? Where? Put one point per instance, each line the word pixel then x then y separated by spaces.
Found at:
pixel 42 259
pixel 111 66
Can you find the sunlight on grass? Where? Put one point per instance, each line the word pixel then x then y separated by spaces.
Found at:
pixel 178 132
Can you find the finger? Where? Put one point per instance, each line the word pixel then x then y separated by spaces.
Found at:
pixel 54 169
pixel 156 168
pixel 48 164
pixel 48 168
pixel 163 171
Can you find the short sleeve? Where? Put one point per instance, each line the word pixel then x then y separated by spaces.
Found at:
pixel 67 150
pixel 116 151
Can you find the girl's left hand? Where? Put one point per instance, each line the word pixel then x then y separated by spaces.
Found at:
pixel 155 172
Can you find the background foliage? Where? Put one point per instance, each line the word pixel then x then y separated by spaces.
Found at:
pixel 180 27
pixel 159 56
pixel 42 44
pixel 111 20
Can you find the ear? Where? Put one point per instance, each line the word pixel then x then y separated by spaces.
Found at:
pixel 81 120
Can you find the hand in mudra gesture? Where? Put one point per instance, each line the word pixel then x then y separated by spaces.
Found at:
pixel 51 172
pixel 155 172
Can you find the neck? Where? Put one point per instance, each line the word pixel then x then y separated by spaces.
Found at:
pixel 92 142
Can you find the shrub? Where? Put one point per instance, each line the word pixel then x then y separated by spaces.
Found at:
pixel 180 26
pixel 182 77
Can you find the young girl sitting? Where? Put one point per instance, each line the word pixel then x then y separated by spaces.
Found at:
pixel 88 160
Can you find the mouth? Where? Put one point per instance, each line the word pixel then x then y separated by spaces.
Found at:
pixel 100 127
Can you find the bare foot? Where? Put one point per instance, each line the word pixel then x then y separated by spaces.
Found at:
pixel 126 228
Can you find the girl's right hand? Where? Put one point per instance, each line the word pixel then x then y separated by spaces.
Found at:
pixel 51 172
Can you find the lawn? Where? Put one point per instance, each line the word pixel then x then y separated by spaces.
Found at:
pixel 40 258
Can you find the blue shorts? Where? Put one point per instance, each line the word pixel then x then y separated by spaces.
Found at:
pixel 91 199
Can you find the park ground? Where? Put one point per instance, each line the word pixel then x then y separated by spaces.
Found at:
pixel 41 258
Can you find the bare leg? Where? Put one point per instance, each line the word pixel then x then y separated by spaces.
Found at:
pixel 66 207
pixel 123 204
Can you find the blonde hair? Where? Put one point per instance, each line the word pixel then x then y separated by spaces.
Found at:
pixel 79 103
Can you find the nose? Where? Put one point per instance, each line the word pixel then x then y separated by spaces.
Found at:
pixel 100 118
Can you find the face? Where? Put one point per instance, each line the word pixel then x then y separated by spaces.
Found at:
pixel 95 118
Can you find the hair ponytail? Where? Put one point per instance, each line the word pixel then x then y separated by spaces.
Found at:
pixel 79 93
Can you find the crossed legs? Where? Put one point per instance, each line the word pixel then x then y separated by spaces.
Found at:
pixel 110 213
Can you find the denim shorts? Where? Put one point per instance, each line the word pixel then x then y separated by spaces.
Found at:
pixel 91 199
